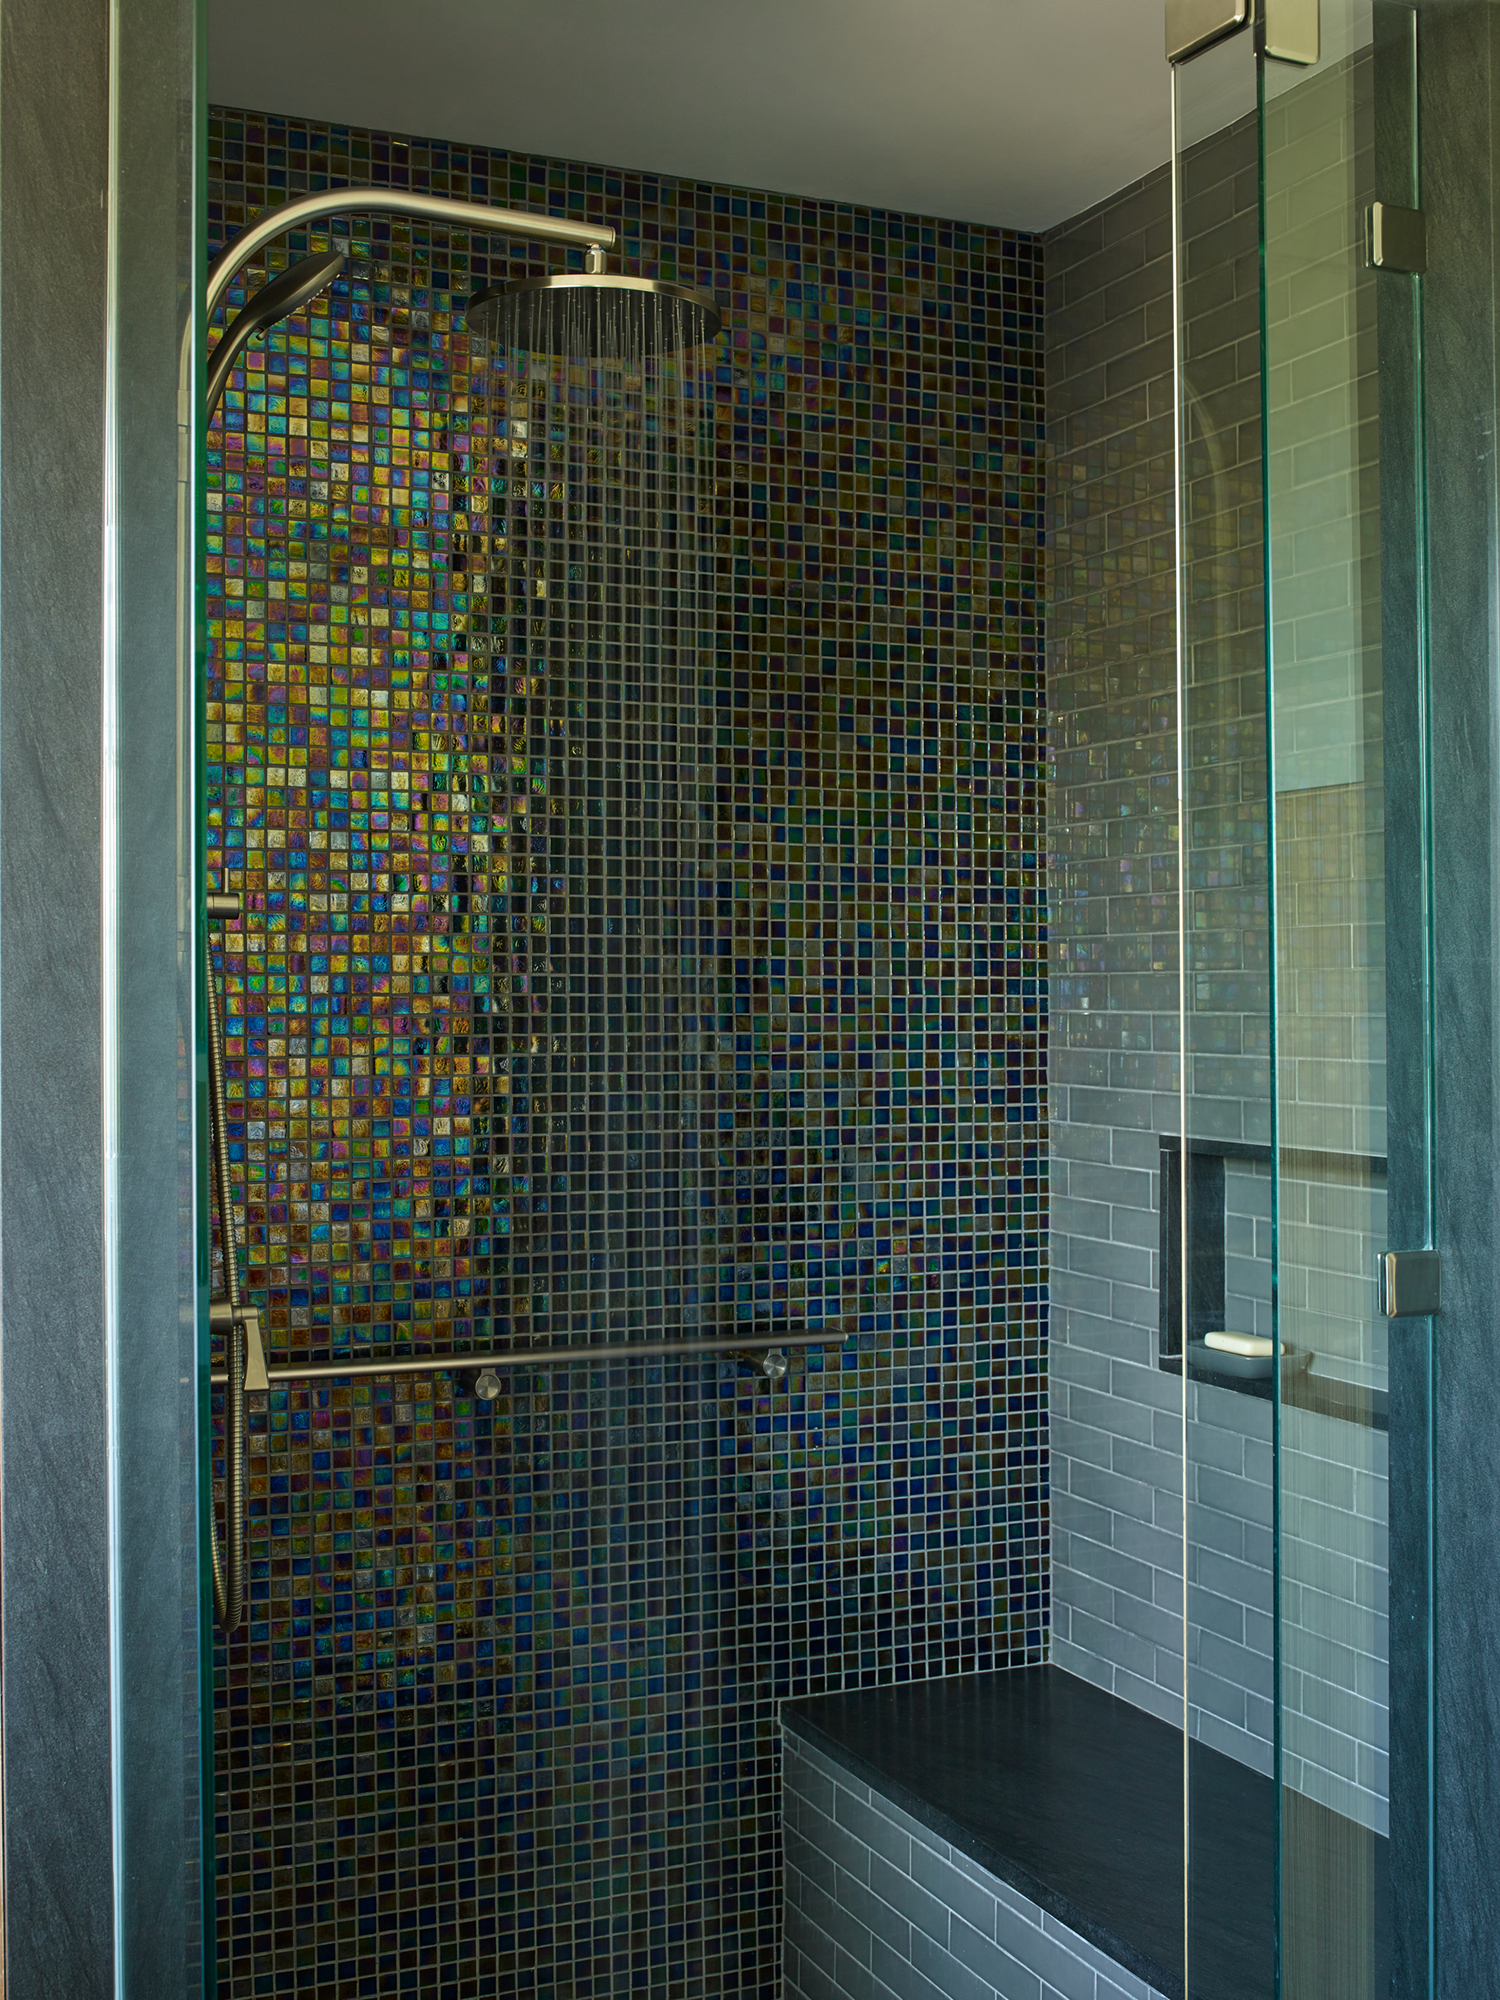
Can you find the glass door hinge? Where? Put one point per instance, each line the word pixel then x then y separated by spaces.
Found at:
pixel 1285 30
pixel 1195 24
pixel 1288 31
pixel 1395 238
pixel 1410 1284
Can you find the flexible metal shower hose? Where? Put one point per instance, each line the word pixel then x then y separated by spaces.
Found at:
pixel 229 1579
pixel 229 1575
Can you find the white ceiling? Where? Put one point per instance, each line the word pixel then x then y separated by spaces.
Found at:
pixel 1019 112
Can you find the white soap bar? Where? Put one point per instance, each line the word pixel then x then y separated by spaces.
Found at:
pixel 1251 1344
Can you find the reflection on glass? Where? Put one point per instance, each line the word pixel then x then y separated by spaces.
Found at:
pixel 1225 1115
pixel 1329 1212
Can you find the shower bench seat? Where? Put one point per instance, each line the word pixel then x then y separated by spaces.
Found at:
pixel 1015 1834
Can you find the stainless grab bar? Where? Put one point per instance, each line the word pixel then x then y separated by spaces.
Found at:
pixel 541 1357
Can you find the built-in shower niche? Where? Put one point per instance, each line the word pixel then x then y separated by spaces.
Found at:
pixel 1205 1225
pixel 1228 1196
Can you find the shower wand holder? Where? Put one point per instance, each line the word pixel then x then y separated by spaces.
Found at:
pixel 222 1317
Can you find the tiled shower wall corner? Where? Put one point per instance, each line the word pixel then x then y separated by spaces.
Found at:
pixel 1116 1416
pixel 503 1715
pixel 1112 811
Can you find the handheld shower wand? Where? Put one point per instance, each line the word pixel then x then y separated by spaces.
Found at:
pixel 295 287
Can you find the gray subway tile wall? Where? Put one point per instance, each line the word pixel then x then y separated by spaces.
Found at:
pixel 1116 1539
pixel 1115 1415
pixel 879 1907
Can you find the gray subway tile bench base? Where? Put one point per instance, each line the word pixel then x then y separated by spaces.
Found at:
pixel 1018 1836
pixel 878 1907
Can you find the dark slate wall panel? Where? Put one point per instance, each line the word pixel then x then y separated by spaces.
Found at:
pixel 55 1505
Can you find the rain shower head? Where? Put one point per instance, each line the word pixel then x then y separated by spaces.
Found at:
pixel 596 312
pixel 290 289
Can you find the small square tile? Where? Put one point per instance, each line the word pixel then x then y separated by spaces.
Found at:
pixel 634 947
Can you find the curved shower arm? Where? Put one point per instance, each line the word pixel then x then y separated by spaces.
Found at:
pixel 589 236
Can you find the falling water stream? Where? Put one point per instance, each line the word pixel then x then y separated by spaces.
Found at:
pixel 604 538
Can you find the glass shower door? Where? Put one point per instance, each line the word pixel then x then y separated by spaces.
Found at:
pixel 1348 821
pixel 1217 1186
pixel 1305 1108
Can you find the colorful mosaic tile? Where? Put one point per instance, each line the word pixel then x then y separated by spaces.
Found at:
pixel 593 991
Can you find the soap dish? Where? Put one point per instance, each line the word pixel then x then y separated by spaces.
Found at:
pixel 1246 1367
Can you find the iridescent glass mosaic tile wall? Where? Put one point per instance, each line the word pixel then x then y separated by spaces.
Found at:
pixel 585 999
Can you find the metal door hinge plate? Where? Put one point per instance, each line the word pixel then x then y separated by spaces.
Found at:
pixel 1287 31
pixel 1410 1284
pixel 1195 24
pixel 1395 238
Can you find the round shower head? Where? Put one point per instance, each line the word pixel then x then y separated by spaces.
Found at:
pixel 596 309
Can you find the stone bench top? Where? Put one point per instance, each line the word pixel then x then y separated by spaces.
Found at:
pixel 1073 1798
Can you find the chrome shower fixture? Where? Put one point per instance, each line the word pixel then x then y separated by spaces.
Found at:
pixel 594 238
pixel 596 312
pixel 772 1362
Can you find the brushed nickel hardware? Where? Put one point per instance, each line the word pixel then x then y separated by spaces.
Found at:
pixel 228 1567
pixel 585 236
pixel 517 309
pixel 1410 1284
pixel 771 1362
pixel 223 1319
pixel 1196 24
pixel 1288 31
pixel 294 287
pixel 731 1346
pixel 543 314
pixel 1395 238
